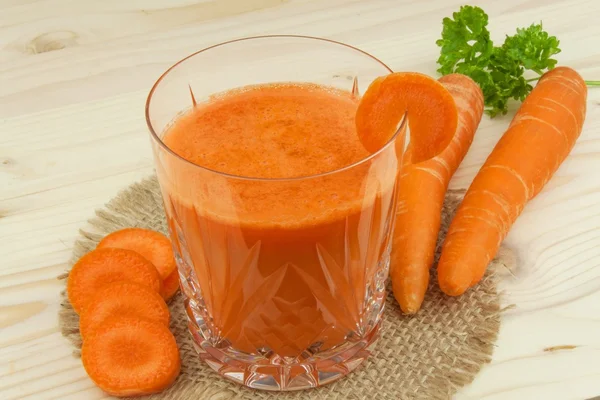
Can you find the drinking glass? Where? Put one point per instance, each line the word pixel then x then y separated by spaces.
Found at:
pixel 283 279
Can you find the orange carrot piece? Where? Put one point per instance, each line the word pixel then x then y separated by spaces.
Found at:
pixel 430 109
pixel 103 266
pixel 153 246
pixel 422 189
pixel 170 286
pixel 538 140
pixel 126 299
pixel 128 356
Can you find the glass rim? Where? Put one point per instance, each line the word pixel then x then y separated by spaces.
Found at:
pixel 161 143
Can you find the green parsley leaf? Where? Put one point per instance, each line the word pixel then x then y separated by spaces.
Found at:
pixel 464 39
pixel 532 48
pixel 466 48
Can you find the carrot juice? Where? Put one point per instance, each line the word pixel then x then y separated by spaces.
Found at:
pixel 281 221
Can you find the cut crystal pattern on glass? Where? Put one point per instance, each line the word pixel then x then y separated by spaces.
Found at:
pixel 279 342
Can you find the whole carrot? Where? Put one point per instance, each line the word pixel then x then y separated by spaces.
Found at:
pixel 422 188
pixel 539 138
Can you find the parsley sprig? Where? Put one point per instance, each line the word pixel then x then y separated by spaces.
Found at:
pixel 466 48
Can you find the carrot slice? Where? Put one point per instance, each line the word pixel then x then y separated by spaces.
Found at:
pixel 103 266
pixel 128 356
pixel 170 286
pixel 124 299
pixel 430 108
pixel 153 246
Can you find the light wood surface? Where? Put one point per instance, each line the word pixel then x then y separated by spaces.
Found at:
pixel 74 76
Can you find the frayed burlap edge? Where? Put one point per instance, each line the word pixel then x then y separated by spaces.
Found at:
pixel 427 356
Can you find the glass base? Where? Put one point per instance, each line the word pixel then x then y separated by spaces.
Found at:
pixel 276 373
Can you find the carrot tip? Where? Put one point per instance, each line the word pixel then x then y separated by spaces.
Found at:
pixel 453 289
pixel 410 309
pixel 409 301
pixel 409 289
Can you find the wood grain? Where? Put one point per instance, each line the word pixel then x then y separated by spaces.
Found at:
pixel 74 77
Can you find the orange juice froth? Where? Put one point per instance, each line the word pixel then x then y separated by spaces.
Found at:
pixel 271 131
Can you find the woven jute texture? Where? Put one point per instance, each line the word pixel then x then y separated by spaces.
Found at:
pixel 428 356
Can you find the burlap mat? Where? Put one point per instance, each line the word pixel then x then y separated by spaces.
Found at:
pixel 428 356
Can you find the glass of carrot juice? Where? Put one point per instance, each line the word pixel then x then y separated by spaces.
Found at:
pixel 280 219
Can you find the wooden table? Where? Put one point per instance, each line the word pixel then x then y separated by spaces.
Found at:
pixel 74 76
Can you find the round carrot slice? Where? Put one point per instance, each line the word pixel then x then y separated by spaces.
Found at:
pixel 170 285
pixel 126 299
pixel 153 246
pixel 127 356
pixel 430 108
pixel 103 266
